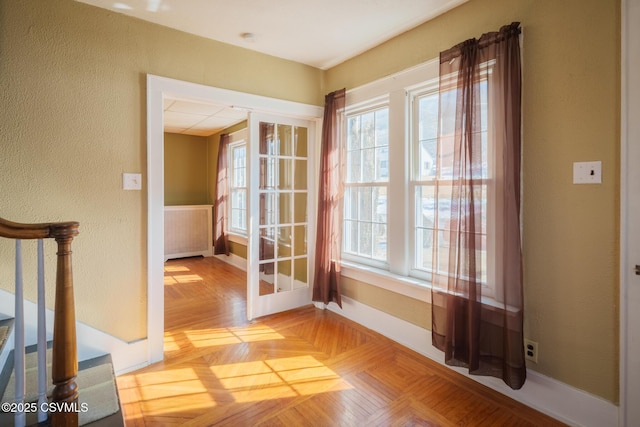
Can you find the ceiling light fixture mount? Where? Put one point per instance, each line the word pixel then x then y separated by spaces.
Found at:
pixel 248 37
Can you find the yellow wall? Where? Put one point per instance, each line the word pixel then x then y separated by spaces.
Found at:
pixel 73 119
pixel 186 170
pixel 72 86
pixel 571 68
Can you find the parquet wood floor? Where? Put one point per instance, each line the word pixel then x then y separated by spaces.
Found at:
pixel 305 367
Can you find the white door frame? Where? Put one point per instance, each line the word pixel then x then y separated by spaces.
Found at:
pixel 159 88
pixel 630 215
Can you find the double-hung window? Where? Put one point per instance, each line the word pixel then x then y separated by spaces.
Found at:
pixel 237 153
pixel 398 181
pixel 432 186
pixel 366 185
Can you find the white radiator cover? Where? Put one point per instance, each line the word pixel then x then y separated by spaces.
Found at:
pixel 188 231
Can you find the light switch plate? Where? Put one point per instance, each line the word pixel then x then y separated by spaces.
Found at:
pixel 587 172
pixel 132 181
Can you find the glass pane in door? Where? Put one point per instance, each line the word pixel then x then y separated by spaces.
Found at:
pixel 282 195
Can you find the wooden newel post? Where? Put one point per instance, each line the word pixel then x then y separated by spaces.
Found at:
pixel 65 355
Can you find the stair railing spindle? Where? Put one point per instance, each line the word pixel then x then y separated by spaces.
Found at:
pixel 42 337
pixel 19 351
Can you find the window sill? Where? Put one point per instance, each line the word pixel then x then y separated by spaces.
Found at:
pixel 237 238
pixel 403 285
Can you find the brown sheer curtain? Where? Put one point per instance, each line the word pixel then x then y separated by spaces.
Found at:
pixel 326 283
pixel 483 332
pixel 220 238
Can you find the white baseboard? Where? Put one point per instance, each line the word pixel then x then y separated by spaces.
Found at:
pixel 235 260
pixel 91 342
pixel 554 398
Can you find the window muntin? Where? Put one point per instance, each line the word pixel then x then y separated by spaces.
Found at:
pixel 283 196
pixel 366 185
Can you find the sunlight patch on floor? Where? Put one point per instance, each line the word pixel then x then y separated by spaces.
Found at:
pixel 174 391
pixel 175 274
pixel 277 378
pixel 169 280
pixel 209 338
pixel 170 344
pixel 187 278
pixel 256 333
pixel 228 336
pixel 183 405
pixel 175 268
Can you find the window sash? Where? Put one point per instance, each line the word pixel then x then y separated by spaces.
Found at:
pixel 366 151
pixel 399 92
pixel 365 221
pixel 237 223
pixel 437 178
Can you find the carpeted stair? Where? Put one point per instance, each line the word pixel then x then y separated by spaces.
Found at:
pixel 5 327
pixel 96 384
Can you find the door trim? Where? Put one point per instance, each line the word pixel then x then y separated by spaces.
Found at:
pixel 157 89
pixel 629 140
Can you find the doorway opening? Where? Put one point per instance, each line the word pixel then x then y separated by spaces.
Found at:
pixel 159 88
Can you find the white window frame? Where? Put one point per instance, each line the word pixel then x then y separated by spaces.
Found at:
pixel 398 274
pixel 357 110
pixel 394 91
pixel 236 140
pixel 489 286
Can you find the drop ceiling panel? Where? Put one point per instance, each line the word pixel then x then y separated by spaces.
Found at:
pixel 195 108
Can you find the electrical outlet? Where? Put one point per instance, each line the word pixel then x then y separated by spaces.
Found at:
pixel 531 350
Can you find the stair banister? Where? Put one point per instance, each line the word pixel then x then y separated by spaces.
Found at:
pixel 65 355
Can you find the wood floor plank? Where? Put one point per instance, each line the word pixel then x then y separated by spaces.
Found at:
pixel 305 367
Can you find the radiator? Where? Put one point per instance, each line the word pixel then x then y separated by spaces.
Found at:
pixel 188 231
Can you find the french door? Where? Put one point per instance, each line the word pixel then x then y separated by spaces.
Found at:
pixel 280 212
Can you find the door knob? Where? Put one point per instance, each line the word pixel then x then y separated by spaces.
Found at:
pixel 637 270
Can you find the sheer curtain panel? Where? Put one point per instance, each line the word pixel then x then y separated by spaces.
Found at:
pixel 477 283
pixel 220 238
pixel 326 283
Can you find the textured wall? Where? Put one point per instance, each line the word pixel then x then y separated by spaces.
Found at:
pixel 571 66
pixel 73 119
pixel 186 170
pixel 72 86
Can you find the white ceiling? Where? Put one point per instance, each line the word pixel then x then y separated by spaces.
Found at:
pixel 320 33
pixel 195 118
